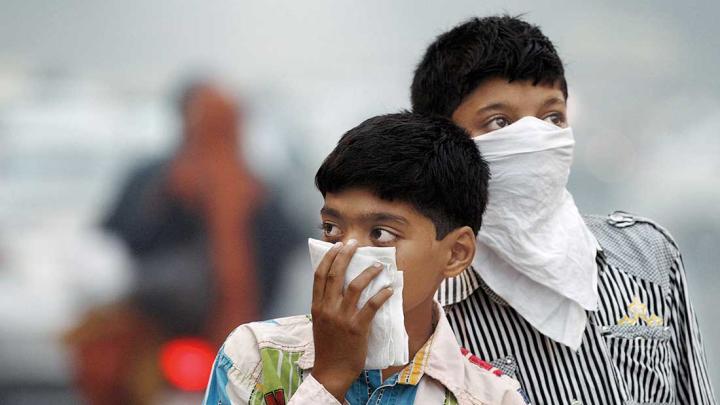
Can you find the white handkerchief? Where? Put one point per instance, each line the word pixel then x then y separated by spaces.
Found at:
pixel 534 249
pixel 388 341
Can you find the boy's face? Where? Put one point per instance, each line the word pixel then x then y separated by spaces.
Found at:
pixel 358 214
pixel 496 103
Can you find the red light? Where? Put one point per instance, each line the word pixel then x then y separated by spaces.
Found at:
pixel 187 362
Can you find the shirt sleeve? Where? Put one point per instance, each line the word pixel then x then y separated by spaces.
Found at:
pixel 216 392
pixel 691 375
pixel 312 392
pixel 235 372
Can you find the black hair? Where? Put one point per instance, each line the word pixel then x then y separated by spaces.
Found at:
pixel 481 48
pixel 428 162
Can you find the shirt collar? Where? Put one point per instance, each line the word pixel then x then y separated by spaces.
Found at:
pixel 456 289
pixel 450 365
pixel 445 362
pixel 414 371
pixel 441 358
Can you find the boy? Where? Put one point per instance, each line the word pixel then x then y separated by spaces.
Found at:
pixel 614 325
pixel 414 183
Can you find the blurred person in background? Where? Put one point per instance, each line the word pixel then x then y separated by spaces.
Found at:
pixel 208 242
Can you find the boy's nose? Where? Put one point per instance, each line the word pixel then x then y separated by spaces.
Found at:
pixel 361 242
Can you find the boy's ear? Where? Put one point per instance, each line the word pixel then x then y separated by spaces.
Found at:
pixel 461 245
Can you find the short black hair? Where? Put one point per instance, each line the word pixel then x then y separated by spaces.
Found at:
pixel 428 162
pixel 481 48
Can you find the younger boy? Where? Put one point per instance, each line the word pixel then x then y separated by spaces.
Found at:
pixel 414 183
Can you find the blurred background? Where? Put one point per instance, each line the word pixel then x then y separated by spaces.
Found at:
pixel 110 243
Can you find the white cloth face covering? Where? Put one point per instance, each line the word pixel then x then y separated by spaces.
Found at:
pixel 534 249
pixel 388 340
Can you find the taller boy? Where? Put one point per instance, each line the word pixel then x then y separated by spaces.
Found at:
pixel 581 310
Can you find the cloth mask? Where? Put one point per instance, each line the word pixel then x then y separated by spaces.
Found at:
pixel 388 340
pixel 534 249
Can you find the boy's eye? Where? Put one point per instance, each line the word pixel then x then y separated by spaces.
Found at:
pixel 330 230
pixel 556 119
pixel 382 236
pixel 497 123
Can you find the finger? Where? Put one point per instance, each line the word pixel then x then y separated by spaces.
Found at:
pixel 368 311
pixel 320 277
pixel 336 275
pixel 356 287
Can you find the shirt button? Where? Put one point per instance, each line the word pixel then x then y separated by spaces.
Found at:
pixel 621 220
pixel 616 217
pixel 508 361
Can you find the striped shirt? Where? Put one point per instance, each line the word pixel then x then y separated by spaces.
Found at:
pixel 642 346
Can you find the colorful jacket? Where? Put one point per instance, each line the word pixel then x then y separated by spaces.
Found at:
pixel 270 363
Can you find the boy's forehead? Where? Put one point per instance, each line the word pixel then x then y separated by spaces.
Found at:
pixel 519 94
pixel 358 200
pixel 358 203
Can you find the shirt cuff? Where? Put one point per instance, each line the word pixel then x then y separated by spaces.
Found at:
pixel 311 391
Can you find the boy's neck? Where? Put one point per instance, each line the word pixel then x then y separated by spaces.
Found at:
pixel 420 323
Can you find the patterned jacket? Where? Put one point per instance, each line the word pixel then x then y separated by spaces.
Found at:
pixel 270 362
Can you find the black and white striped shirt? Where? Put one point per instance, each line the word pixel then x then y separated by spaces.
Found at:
pixel 642 346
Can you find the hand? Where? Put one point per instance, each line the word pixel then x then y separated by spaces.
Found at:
pixel 340 329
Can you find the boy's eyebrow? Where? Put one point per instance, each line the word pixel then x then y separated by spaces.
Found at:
pixel 384 216
pixel 553 100
pixel 500 105
pixel 489 107
pixel 331 212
